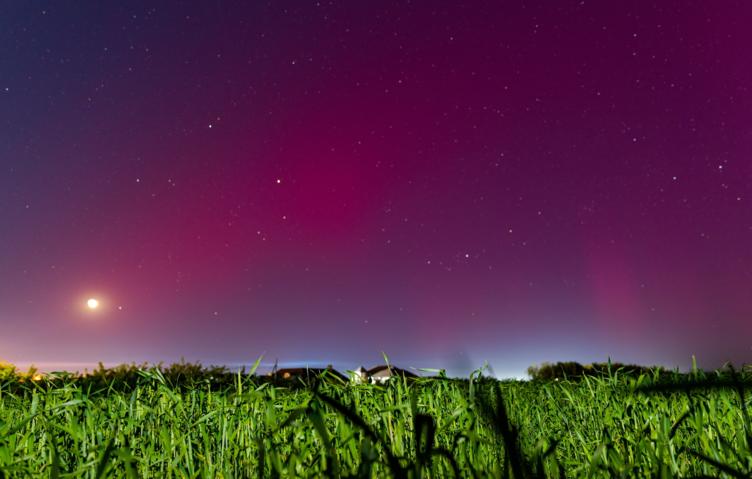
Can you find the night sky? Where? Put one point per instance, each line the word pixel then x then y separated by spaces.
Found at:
pixel 446 182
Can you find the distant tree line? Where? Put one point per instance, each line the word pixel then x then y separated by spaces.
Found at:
pixel 9 372
pixel 574 370
pixel 128 376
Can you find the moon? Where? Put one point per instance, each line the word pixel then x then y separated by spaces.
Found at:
pixel 92 303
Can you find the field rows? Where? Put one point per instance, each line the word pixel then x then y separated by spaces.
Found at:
pixel 242 427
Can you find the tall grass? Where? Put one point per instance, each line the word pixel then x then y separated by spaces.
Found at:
pixel 158 424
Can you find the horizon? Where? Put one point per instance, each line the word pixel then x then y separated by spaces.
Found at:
pixel 265 367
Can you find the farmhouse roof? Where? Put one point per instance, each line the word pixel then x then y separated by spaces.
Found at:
pixel 388 369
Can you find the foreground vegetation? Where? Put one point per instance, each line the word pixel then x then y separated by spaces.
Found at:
pixel 186 421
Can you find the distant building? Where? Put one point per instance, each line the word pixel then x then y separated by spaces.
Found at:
pixel 360 375
pixel 376 375
pixel 383 373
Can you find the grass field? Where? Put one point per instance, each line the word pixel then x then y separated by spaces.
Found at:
pixel 159 424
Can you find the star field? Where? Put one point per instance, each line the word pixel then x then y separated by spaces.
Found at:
pixel 324 181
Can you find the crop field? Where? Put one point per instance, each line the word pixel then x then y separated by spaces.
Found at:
pixel 154 423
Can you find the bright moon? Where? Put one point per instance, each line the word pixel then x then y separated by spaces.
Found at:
pixel 92 303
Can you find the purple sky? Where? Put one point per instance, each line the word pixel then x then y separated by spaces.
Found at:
pixel 449 183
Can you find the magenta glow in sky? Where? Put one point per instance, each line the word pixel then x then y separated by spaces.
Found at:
pixel 320 182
